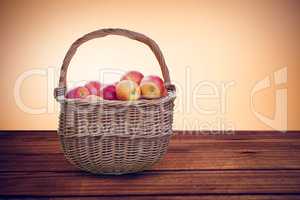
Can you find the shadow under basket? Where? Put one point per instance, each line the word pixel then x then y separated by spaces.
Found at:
pixel 115 137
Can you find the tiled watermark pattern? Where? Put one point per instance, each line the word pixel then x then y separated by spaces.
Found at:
pixel 189 98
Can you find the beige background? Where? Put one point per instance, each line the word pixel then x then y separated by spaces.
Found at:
pixel 215 41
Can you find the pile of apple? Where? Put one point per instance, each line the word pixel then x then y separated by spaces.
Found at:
pixel 132 86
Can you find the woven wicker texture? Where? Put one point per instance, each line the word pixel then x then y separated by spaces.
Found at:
pixel 115 137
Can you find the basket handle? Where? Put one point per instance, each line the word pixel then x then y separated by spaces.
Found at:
pixel 111 31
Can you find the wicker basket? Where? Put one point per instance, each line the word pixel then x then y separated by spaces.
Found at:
pixel 115 137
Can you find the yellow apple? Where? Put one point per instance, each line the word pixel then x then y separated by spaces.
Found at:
pixel 153 87
pixel 128 90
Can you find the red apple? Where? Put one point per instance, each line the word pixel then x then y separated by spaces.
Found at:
pixel 133 76
pixel 153 87
pixel 81 92
pixel 71 94
pixel 93 87
pixel 108 92
pixel 128 90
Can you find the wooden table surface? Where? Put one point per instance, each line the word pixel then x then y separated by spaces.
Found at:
pixel 243 165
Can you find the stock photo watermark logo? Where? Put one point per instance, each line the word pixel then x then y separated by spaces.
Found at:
pixel 51 76
pixel 202 106
pixel 280 119
pixel 207 99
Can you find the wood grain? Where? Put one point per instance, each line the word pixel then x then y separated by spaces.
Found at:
pixel 243 150
pixel 245 165
pixel 168 197
pixel 151 183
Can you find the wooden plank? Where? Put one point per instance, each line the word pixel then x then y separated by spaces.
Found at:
pixel 168 197
pixel 240 134
pixel 218 167
pixel 172 161
pixel 47 141
pixel 151 183
pixel 40 151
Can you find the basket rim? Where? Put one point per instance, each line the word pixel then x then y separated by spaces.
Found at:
pixel 140 102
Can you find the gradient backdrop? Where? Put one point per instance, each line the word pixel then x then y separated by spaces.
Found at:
pixel 237 43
